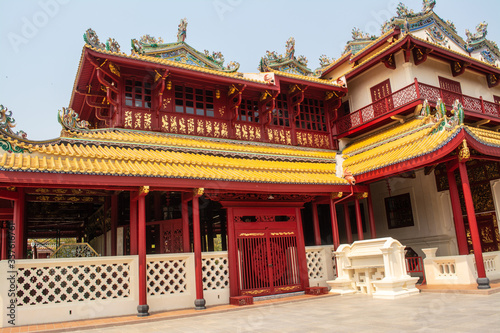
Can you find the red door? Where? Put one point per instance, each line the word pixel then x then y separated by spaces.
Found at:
pixel 451 90
pixel 268 257
pixel 381 98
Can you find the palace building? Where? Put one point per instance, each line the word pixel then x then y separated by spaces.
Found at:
pixel 184 182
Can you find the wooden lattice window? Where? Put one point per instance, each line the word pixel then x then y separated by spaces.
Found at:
pixel 450 85
pixel 281 116
pixel 398 211
pixel 496 99
pixel 137 93
pixel 191 100
pixel 381 90
pixel 249 111
pixel 312 115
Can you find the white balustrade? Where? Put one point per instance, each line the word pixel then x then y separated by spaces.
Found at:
pixel 320 265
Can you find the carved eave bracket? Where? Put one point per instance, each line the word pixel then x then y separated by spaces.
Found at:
pixel 296 93
pixel 420 55
pixel 458 67
pixel 407 47
pixel 493 80
pixel 234 96
pixel 267 103
pixel 389 61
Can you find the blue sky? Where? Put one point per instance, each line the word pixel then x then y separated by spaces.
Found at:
pixel 41 41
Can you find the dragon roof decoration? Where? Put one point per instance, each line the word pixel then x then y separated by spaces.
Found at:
pixel 182 52
pixel 287 63
pixel 7 123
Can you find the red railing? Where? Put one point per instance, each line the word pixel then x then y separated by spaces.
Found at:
pixel 415 265
pixel 409 94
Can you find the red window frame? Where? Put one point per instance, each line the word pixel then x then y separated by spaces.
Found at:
pixel 138 93
pixel 281 114
pixel 249 111
pixel 381 90
pixel 194 100
pixel 312 115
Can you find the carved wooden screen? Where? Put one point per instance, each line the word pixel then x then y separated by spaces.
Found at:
pixel 496 99
pixel 171 236
pixel 382 102
pixel 451 90
pixel 268 256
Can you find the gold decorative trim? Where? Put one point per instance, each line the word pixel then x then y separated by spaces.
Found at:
pixel 464 153
pixel 143 190
pixel 336 195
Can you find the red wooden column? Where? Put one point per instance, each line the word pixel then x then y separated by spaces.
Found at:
pixel 104 231
pixel 359 222
pixel 114 222
pixel 186 243
pixel 231 253
pixel 373 232
pixel 19 241
pixel 3 252
pixel 301 249
pixel 199 302
pixel 133 223
pixel 317 234
pixel 143 307
pixel 335 226
pixel 482 281
pixel 347 223
pixel 458 219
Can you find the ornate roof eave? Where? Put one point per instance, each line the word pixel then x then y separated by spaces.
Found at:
pixel 312 81
pixel 395 47
pixel 170 47
pixel 343 59
pixel 375 44
pixel 134 60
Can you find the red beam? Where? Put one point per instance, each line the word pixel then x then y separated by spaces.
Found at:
pixel 199 301
pixel 142 308
pixel 457 212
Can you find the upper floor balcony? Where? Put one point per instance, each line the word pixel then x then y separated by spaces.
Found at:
pixel 404 100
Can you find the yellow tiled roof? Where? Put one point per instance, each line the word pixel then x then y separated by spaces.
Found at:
pixel 411 145
pixel 387 134
pixel 122 153
pixel 487 137
pixel 306 78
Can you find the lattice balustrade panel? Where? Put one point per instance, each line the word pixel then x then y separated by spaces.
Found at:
pixel 215 273
pixel 167 277
pixel 491 108
pixel 367 113
pixel 472 104
pixel 428 92
pixel 404 96
pixel 334 262
pixel 48 285
pixel 315 264
pixel 355 119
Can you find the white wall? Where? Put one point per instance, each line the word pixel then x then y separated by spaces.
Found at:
pixel 432 214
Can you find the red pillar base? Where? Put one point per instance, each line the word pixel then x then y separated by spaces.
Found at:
pixel 142 310
pixel 483 283
pixel 316 290
pixel 199 304
pixel 241 300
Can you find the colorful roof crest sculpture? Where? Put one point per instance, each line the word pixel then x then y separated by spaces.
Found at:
pixel 479 35
pixel 70 120
pixel 448 123
pixel 359 41
pixel 90 37
pixel 287 63
pixel 7 123
pixel 180 51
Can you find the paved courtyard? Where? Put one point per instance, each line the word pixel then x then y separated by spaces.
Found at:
pixel 426 312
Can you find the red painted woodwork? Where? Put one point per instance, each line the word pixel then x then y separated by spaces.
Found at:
pixel 234 280
pixel 407 98
pixel 317 234
pixel 359 222
pixel 271 251
pixel 19 241
pixel 371 218
pixel 3 240
pixel 141 233
pixel 381 90
pixel 488 227
pixel 415 265
pixel 171 236
pixel 450 90
pixel 496 99
pixel 114 223
pixel 457 213
pixel 241 300
pixel 471 216
pixel 316 290
pixel 186 243
pixel 335 226
pixel 133 224
pixel 197 249
pixel 347 223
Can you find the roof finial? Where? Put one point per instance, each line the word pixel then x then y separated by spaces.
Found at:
pixel 181 32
